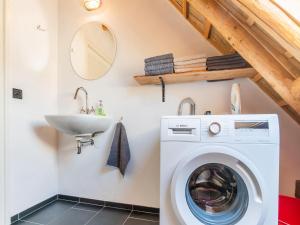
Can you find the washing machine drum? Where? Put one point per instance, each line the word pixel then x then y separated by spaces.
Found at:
pixel 217 188
pixel 216 194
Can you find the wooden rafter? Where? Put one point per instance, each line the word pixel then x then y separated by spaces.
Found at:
pixel 257 77
pixel 276 48
pixel 249 48
pixel 276 19
pixel 287 7
pixel 270 25
pixel 269 44
pixel 185 8
pixel 207 29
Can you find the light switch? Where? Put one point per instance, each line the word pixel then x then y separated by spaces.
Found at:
pixel 17 93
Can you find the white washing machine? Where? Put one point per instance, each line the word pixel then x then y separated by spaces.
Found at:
pixel 219 170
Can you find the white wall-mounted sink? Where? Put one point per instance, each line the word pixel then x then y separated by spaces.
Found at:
pixel 79 124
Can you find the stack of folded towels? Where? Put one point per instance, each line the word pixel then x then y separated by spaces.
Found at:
pixel 163 64
pixel 226 62
pixel 190 64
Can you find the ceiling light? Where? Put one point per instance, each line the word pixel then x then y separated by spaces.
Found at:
pixel 92 4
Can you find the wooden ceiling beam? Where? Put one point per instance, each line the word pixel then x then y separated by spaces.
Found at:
pixel 282 103
pixel 249 48
pixel 207 29
pixel 250 21
pixel 271 30
pixel 276 19
pixel 257 78
pixel 295 89
pixel 264 39
pixel 288 55
pixel 286 8
pixel 185 8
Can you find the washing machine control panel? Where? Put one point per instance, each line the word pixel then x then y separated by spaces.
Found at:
pixel 221 128
pixel 237 129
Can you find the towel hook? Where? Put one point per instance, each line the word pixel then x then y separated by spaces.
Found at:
pixel 40 28
pixel 121 119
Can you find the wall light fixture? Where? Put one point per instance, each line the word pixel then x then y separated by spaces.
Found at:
pixel 92 4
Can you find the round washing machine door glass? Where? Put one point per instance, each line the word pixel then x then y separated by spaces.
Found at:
pixel 217 186
pixel 217 194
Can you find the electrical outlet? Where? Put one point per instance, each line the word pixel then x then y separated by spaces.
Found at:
pixel 17 93
pixel 297 192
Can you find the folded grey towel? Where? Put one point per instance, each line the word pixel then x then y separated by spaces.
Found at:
pixel 159 72
pixel 235 55
pixel 226 62
pixel 159 67
pixel 158 62
pixel 160 57
pixel 120 152
pixel 228 67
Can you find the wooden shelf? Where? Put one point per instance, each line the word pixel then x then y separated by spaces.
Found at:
pixel 196 76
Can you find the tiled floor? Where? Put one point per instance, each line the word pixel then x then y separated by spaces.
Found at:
pixel 71 213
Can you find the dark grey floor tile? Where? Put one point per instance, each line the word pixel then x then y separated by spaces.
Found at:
pixel 110 216
pixel 131 221
pixel 145 209
pixel 89 207
pixel 118 205
pixel 145 216
pixel 92 201
pixel 37 206
pixel 22 223
pixel 68 198
pixel 50 212
pixel 74 217
pixel 14 218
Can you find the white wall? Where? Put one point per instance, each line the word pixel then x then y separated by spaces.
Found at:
pixel 2 120
pixel 31 66
pixel 144 28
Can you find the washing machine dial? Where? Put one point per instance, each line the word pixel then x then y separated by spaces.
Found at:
pixel 215 128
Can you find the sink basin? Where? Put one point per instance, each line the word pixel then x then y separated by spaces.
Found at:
pixel 79 124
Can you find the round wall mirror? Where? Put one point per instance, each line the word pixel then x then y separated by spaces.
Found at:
pixel 93 50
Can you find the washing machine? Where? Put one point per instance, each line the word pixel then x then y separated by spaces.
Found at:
pixel 219 170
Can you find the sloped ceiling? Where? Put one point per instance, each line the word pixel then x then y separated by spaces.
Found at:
pixel 262 32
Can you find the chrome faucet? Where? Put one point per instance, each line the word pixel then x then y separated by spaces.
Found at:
pixel 86 110
pixel 192 106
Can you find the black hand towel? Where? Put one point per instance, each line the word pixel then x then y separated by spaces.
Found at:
pixel 120 152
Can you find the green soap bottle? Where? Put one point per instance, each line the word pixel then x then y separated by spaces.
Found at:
pixel 100 109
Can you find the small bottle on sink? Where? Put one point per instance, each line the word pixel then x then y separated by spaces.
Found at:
pixel 100 109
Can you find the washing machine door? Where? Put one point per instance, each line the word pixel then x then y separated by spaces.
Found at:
pixel 216 185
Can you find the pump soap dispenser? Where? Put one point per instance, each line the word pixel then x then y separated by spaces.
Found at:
pixel 100 109
pixel 236 107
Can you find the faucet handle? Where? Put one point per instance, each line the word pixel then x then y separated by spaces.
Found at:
pixel 82 111
pixel 92 110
